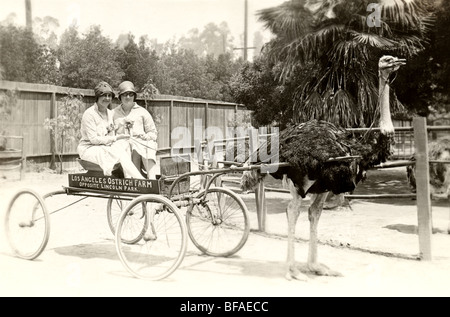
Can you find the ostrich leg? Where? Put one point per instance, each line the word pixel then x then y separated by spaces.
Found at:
pixel 292 213
pixel 314 213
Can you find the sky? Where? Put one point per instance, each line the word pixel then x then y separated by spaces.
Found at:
pixel 160 19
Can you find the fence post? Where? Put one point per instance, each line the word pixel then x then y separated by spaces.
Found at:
pixel 53 138
pixel 260 191
pixel 206 120
pixel 23 164
pixel 261 210
pixel 170 122
pixel 422 175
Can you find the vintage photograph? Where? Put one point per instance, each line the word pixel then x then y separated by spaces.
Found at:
pixel 224 148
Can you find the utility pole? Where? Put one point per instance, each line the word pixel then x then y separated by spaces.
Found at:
pixel 245 48
pixel 245 29
pixel 29 20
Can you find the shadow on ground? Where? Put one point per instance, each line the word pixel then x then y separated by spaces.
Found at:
pixel 90 251
pixel 410 229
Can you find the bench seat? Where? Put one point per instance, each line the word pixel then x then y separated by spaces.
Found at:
pixel 90 166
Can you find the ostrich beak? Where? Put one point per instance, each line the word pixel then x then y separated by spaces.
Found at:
pixel 392 62
pixel 395 65
pixel 399 62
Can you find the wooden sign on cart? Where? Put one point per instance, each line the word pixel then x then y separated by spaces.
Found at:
pixel 110 183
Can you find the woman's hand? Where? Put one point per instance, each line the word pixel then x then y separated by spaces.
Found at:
pixel 144 137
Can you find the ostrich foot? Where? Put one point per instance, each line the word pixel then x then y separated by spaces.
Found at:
pixel 294 273
pixel 321 270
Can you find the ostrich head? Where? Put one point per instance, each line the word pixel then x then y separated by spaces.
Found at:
pixel 386 65
pixel 389 64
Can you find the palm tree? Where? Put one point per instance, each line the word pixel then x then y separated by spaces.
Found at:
pixel 331 42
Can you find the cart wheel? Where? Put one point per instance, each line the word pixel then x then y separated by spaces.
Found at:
pixel 114 208
pixel 163 245
pixel 219 225
pixel 116 205
pixel 27 224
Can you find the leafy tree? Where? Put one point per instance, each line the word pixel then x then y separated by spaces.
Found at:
pixel 148 64
pixel 23 59
pixel 48 71
pixel 258 43
pixel 440 55
pixel 88 60
pixel 217 39
pixel 192 42
pixel 122 40
pixel 44 30
pixel 223 68
pixel 149 91
pixel 429 90
pixel 213 40
pixel 9 20
pixel 183 73
pixel 256 86
pixel 129 59
pixel 67 55
pixel 138 62
pixel 82 60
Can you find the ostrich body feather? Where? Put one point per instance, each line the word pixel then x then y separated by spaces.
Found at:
pixel 309 146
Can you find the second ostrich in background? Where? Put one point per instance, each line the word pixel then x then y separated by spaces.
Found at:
pixel 321 158
pixel 439 172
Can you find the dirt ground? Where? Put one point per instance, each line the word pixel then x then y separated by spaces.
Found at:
pixel 374 241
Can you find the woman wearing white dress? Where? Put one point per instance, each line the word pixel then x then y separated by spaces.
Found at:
pixel 99 143
pixel 136 121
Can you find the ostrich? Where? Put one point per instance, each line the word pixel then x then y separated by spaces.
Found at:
pixel 321 158
pixel 439 172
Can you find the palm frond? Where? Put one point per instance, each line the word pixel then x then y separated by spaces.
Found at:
pixel 306 48
pixel 408 15
pixel 311 108
pixel 409 45
pixel 290 19
pixel 344 111
pixel 372 40
pixel 358 22
pixel 367 100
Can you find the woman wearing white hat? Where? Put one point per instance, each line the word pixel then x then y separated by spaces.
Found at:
pixel 136 121
pixel 99 143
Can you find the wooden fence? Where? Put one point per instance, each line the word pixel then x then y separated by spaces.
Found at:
pixel 36 102
pixel 404 136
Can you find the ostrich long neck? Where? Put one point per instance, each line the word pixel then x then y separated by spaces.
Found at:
pixel 385 112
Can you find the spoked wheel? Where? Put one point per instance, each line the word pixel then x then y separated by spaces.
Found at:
pixel 27 224
pixel 138 217
pixel 163 245
pixel 219 225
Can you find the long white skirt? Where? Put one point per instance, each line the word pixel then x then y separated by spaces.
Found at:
pixel 106 156
pixel 146 149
